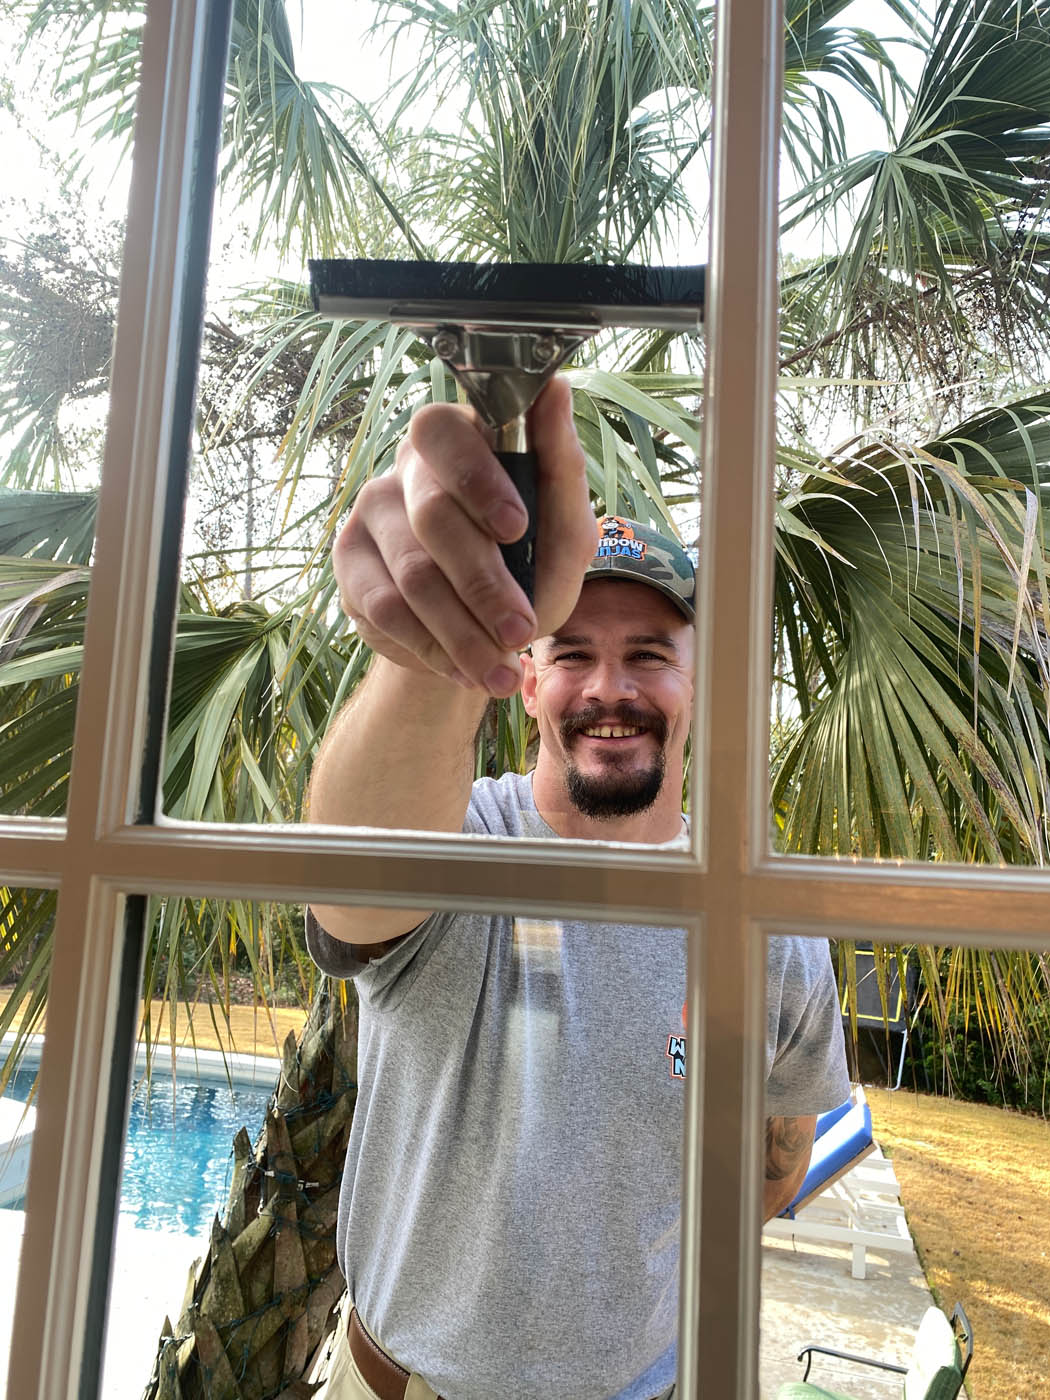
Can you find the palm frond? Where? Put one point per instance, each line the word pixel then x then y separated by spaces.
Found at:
pixel 961 188
pixel 914 606
pixel 588 113
pixel 287 154
pixel 286 151
pixel 58 525
pixel 57 313
pixel 252 693
pixel 818 48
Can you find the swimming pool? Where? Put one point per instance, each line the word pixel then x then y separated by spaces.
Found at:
pixel 178 1158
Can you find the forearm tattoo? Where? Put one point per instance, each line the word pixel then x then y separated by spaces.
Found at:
pixel 788 1142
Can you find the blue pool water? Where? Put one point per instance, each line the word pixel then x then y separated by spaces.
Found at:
pixel 178 1159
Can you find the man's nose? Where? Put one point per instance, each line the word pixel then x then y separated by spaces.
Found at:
pixel 608 682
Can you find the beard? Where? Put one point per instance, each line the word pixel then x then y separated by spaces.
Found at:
pixel 616 791
pixel 607 795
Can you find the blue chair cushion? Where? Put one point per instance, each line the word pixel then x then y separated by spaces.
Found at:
pixel 844 1140
pixel 829 1119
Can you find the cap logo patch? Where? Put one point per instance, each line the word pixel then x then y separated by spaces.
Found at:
pixel 616 539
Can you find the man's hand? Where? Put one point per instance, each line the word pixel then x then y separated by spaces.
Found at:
pixel 789 1142
pixel 418 563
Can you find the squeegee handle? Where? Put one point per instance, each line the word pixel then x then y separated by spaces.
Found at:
pixel 519 556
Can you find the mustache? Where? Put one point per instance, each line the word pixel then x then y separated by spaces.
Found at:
pixel 625 715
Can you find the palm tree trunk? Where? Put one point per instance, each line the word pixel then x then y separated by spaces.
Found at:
pixel 258 1306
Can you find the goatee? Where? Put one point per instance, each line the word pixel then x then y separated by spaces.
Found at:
pixel 615 793
pixel 609 795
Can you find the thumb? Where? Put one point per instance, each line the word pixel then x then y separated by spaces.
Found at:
pixel 566 529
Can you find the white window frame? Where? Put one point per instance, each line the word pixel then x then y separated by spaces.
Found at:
pixel 99 858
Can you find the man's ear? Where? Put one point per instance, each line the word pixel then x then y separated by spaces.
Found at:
pixel 528 683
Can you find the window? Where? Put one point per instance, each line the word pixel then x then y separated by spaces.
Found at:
pixel 110 854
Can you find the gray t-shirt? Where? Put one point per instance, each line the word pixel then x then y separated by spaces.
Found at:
pixel 509 1218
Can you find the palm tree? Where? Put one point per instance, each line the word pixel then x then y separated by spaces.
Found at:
pixel 912 614
pixel 259 1305
pixel 913 639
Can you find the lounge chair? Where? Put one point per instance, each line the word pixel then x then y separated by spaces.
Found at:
pixel 843 1138
pixel 936 1371
pixel 843 1199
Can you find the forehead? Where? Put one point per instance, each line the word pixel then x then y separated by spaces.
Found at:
pixel 611 608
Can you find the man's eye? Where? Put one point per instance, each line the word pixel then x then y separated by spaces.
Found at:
pixel 648 656
pixel 571 656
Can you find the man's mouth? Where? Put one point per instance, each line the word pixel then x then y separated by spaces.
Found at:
pixel 612 731
pixel 628 722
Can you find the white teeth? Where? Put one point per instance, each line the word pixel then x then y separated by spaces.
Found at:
pixel 610 731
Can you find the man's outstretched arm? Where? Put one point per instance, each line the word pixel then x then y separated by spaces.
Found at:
pixel 789 1142
pixel 420 572
pixel 399 754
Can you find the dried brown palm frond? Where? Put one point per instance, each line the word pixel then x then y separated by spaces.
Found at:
pixel 260 1303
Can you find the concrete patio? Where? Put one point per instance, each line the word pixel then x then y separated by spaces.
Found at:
pixel 849 1279
pixel 809 1294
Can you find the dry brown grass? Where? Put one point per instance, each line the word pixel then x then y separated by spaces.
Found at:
pixel 252 1030
pixel 975 1182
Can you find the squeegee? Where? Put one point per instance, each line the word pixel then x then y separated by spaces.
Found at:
pixel 503 329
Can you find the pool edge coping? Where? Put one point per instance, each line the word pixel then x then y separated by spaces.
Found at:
pixel 212 1066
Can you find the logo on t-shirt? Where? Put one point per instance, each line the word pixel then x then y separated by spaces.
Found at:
pixel 676 1049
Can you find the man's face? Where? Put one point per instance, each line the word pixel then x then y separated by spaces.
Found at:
pixel 612 693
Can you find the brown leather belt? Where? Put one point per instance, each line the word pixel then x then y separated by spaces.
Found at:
pixel 381 1372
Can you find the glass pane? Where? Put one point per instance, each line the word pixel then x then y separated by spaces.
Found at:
pixel 416 154
pixel 909 709
pixel 26 926
pixel 925 1191
pixel 226 993
pixel 65 122
pixel 516 1120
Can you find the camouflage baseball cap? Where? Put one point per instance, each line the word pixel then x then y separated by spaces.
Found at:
pixel 627 549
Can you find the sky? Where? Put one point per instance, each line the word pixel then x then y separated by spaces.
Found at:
pixel 334 46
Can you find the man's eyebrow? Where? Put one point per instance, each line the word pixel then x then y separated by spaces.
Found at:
pixel 640 639
pixel 649 639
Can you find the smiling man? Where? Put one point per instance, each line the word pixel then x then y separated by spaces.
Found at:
pixel 509 1216
pixel 611 692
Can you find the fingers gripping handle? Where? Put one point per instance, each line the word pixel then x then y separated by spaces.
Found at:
pixel 520 556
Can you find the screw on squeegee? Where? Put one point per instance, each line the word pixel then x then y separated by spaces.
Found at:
pixel 544 349
pixel 445 344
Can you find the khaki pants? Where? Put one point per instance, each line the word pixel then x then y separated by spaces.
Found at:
pixel 345 1381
